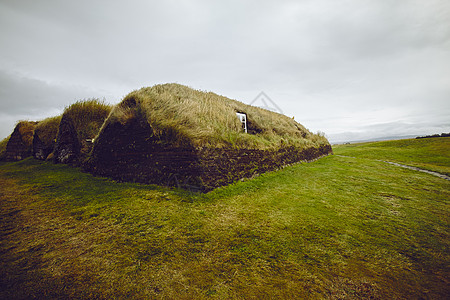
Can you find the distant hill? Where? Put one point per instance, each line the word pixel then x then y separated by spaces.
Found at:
pixel 378 139
pixel 434 136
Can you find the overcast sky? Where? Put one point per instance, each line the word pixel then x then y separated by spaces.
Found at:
pixel 353 69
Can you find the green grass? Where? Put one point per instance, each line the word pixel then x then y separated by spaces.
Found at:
pixel 339 228
pixel 431 154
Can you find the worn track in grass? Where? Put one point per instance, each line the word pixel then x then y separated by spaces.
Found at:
pixel 437 174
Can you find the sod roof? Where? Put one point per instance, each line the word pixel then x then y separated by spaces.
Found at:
pixel 47 129
pixel 19 145
pixel 183 116
pixel 87 117
pixel 79 123
pixel 3 144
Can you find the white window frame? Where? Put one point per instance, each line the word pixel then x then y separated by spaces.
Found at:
pixel 243 119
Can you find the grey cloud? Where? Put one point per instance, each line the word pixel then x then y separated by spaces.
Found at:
pixel 22 95
pixel 336 65
pixel 25 98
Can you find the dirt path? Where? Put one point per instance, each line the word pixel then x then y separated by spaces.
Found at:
pixel 45 253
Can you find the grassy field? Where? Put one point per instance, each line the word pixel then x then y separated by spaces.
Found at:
pixel 433 154
pixel 342 227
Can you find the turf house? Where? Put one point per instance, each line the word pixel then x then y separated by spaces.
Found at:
pixel 44 137
pixel 173 135
pixel 78 127
pixel 20 143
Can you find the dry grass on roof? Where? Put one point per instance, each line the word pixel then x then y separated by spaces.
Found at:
pixel 26 130
pixel 47 129
pixel 88 116
pixel 3 144
pixel 183 115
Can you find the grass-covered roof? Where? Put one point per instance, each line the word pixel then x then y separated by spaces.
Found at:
pixel 3 144
pixel 26 130
pixel 182 115
pixel 47 129
pixel 87 116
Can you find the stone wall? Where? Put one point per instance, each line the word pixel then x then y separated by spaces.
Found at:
pixel 224 166
pixel 130 152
